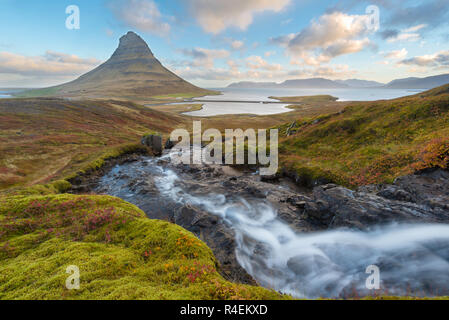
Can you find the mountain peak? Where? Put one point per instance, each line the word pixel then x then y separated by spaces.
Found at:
pixel 132 72
pixel 132 46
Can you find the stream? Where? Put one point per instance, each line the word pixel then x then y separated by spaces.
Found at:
pixel 295 258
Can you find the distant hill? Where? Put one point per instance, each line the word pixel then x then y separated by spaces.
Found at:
pixel 131 72
pixel 419 83
pixel 321 83
pixel 249 85
pixel 312 83
pixel 295 83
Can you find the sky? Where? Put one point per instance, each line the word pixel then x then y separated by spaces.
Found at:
pixel 213 43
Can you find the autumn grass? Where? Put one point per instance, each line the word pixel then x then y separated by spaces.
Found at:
pixel 44 140
pixel 370 142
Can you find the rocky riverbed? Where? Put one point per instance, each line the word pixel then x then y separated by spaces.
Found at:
pixel 310 243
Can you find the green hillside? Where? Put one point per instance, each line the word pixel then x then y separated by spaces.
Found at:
pixel 370 142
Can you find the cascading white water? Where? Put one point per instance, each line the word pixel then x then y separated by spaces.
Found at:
pixel 413 259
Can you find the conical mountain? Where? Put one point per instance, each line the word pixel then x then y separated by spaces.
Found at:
pixel 132 72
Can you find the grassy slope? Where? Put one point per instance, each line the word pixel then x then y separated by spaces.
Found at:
pixel 371 142
pixel 43 140
pixel 120 253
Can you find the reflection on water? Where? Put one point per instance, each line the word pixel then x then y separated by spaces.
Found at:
pixel 223 108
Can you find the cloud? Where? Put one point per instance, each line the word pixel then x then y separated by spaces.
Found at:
pixel 257 62
pixel 416 28
pixel 205 58
pixel 389 33
pixel 218 15
pixel 332 35
pixel 334 72
pixel 396 54
pixel 409 34
pixel 429 12
pixel 50 64
pixel 237 44
pixel 439 60
pixel 328 72
pixel 405 13
pixel 142 15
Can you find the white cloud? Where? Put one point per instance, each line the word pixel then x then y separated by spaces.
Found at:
pixel 50 64
pixel 257 62
pixel 218 15
pixel 237 44
pixel 340 71
pixel 142 15
pixel 439 60
pixel 334 72
pixel 415 28
pixel 396 54
pixel 332 35
pixel 405 37
pixel 205 58
pixel 409 34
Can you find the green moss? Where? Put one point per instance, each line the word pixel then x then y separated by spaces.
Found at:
pixel 121 254
pixel 59 186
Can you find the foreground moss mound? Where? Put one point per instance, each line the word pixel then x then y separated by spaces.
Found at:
pixel 370 142
pixel 120 253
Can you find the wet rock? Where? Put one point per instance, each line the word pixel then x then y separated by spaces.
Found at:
pixel 255 192
pixel 395 193
pixel 416 198
pixel 269 178
pixel 169 144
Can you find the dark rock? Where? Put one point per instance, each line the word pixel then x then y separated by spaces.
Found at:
pixel 255 192
pixel 416 198
pixel 154 142
pixel 269 178
pixel 169 144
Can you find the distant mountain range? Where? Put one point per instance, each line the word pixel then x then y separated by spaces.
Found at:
pixel 356 83
pixel 321 83
pixel 419 83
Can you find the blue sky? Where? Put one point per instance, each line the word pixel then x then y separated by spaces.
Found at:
pixel 215 42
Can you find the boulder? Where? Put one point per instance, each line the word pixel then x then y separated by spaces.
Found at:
pixel 154 142
pixel 169 144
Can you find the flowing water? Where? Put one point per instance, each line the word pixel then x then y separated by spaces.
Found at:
pixel 412 259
